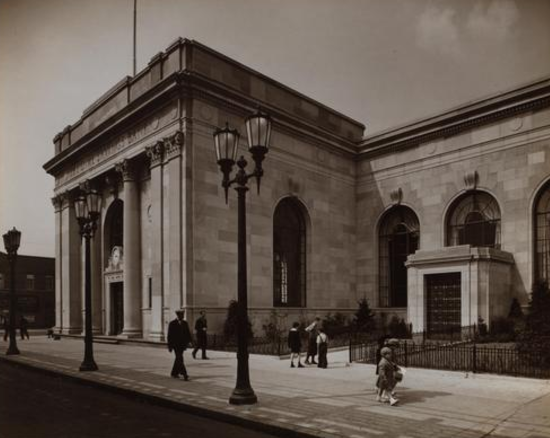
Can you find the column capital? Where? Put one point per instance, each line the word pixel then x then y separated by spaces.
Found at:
pixel 173 145
pixel 111 182
pixel 128 170
pixel 57 202
pixel 65 198
pixel 155 153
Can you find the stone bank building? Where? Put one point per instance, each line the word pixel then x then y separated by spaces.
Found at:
pixel 439 222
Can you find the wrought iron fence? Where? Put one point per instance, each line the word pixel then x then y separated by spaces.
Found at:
pixel 470 357
pixel 274 346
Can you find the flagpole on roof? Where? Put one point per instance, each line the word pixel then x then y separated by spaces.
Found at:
pixel 135 25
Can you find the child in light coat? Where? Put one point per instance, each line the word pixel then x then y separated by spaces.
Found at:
pixel 386 378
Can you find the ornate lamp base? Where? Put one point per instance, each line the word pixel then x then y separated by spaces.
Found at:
pixel 243 397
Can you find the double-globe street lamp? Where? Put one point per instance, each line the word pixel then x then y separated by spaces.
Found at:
pixel 226 142
pixel 12 240
pixel 87 207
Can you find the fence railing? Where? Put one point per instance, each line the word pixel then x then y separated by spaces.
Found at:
pixel 470 357
pixel 275 346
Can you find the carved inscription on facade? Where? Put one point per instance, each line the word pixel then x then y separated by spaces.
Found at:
pixel 104 152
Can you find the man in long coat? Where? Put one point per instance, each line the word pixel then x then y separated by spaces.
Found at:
pixel 200 334
pixel 179 339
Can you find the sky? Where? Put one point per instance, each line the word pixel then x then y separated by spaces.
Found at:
pixel 384 63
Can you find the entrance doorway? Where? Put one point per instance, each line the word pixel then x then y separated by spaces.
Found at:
pixel 117 308
pixel 443 305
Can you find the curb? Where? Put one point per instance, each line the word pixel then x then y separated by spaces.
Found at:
pixel 167 403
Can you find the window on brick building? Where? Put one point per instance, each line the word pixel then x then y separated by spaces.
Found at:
pixel 542 234
pixel 398 237
pixel 2 282
pixel 29 285
pixel 49 283
pixel 474 219
pixel 289 254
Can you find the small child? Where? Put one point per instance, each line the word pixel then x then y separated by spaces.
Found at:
pixel 386 378
pixel 322 347
pixel 295 344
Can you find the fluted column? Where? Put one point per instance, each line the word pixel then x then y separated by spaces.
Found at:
pixel 156 154
pixel 132 251
pixel 97 280
pixel 57 202
pixel 71 317
pixel 172 226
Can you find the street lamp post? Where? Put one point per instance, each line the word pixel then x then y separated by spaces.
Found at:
pixel 12 239
pixel 87 212
pixel 226 142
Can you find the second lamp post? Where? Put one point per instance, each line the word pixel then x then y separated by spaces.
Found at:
pixel 226 142
pixel 12 239
pixel 87 209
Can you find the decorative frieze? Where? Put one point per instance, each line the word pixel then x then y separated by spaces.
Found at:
pixel 471 180
pixel 155 153
pixel 104 152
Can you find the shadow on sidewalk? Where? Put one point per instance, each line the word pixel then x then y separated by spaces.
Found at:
pixel 417 396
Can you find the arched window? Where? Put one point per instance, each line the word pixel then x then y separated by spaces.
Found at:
pixel 114 230
pixel 289 254
pixel 542 235
pixel 474 219
pixel 398 237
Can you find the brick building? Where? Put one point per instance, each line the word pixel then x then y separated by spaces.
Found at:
pixel 34 288
pixel 440 222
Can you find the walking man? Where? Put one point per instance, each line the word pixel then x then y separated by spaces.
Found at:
pixel 24 328
pixel 200 333
pixel 179 339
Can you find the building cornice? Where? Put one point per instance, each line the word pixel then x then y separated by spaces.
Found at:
pixel 525 99
pixel 172 69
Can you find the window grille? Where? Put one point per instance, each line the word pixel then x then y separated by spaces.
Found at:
pixel 542 235
pixel 399 235
pixel 474 220
pixel 289 255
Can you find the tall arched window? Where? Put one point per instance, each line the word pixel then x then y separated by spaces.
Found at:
pixel 289 254
pixel 398 237
pixel 114 230
pixel 542 235
pixel 474 219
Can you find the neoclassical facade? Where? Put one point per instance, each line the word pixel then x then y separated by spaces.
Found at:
pixel 440 222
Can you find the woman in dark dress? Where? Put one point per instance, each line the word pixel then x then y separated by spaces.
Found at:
pixel 313 331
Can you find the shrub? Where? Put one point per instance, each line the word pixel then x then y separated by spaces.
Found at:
pixel 502 329
pixel 364 317
pixel 535 336
pixel 335 324
pixel 515 310
pixel 274 329
pixel 230 325
pixel 398 328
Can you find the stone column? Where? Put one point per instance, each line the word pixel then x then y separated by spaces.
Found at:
pixel 172 226
pixel 132 251
pixel 70 268
pixel 97 280
pixel 57 202
pixel 156 154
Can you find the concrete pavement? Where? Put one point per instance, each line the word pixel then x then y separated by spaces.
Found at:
pixel 336 402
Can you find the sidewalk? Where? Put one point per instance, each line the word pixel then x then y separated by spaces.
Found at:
pixel 336 402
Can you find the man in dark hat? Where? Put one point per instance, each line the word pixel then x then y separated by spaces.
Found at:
pixel 179 339
pixel 200 335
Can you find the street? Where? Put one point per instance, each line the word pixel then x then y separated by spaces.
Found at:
pixel 34 405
